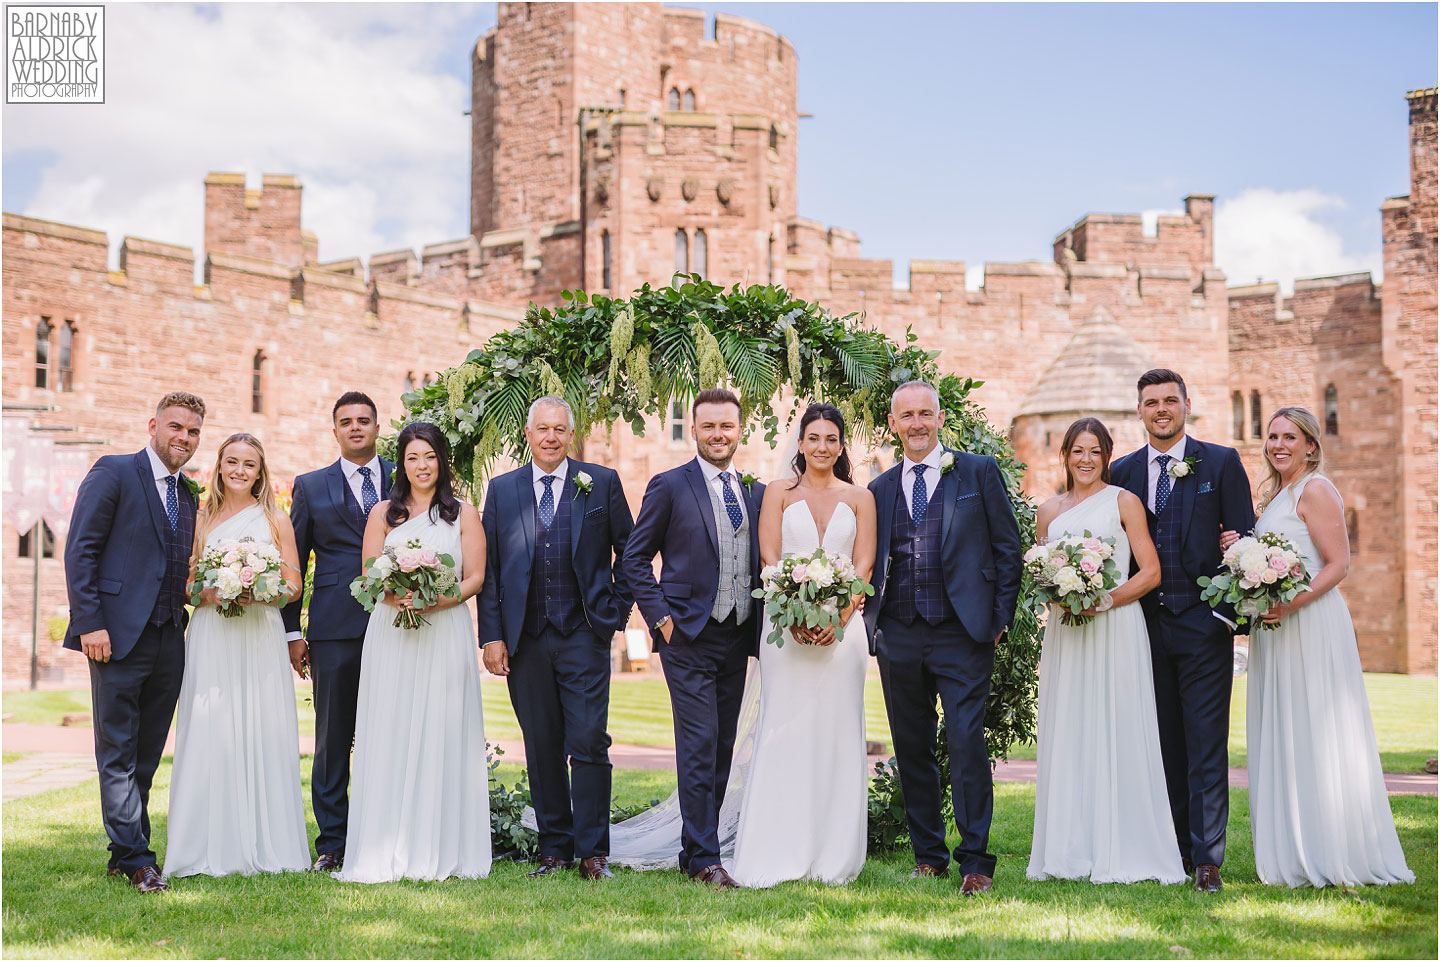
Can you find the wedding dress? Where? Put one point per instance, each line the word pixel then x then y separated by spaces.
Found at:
pixel 235 802
pixel 1319 812
pixel 419 792
pixel 1101 810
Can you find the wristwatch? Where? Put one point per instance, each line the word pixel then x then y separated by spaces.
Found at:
pixel 661 623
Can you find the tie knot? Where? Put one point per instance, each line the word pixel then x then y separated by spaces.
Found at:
pixel 170 480
pixel 549 479
pixel 1164 459
pixel 919 470
pixel 365 473
pixel 725 477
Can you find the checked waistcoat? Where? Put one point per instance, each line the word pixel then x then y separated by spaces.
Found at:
pixel 554 596
pixel 733 544
pixel 1177 591
pixel 170 600
pixel 916 586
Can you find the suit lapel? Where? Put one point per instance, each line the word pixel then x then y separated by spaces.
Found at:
pixel 696 479
pixel 1184 488
pixel 152 496
pixel 525 497
pixel 884 514
pixel 335 481
pixel 1137 477
pixel 387 469
pixel 577 504
pixel 948 483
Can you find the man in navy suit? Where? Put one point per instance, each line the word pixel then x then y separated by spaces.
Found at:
pixel 127 558
pixel 703 520
pixel 554 596
pixel 1192 490
pixel 948 558
pixel 328 509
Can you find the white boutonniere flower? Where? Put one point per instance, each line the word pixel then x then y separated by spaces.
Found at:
pixel 583 482
pixel 1182 469
pixel 947 461
pixel 748 480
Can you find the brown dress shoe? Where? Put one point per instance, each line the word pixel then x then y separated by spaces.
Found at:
pixel 329 862
pixel 549 865
pixel 925 870
pixel 975 884
pixel 596 868
pixel 715 876
pixel 147 878
pixel 1207 878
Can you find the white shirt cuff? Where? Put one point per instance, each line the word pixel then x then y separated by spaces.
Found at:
pixel 293 636
pixel 1233 626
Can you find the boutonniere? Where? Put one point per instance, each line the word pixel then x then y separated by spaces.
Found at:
pixel 1181 469
pixel 748 480
pixel 947 461
pixel 583 482
pixel 196 488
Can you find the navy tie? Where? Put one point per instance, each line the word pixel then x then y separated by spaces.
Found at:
pixel 919 496
pixel 172 503
pixel 367 491
pixel 547 502
pixel 732 507
pixel 1162 486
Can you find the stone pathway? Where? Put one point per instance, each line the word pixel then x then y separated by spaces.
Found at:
pixel 44 772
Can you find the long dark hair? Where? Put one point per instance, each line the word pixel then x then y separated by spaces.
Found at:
pixel 444 502
pixel 820 411
pixel 1102 434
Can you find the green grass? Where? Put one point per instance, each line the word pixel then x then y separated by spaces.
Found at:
pixel 58 903
pixel 7 757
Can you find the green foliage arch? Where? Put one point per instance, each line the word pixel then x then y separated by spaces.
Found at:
pixel 620 359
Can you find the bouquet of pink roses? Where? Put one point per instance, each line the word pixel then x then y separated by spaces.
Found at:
pixel 1073 574
pixel 414 569
pixel 236 569
pixel 808 591
pixel 1261 571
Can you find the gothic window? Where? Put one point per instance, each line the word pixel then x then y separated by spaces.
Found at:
pixel 673 101
pixel 682 255
pixel 1237 414
pixel 1257 422
pixel 689 100
pixel 47 542
pixel 1352 529
pixel 605 259
pixel 677 421
pixel 1332 411
pixel 66 377
pixel 257 383
pixel 42 352
pixel 774 137
pixel 770 260
pixel 702 253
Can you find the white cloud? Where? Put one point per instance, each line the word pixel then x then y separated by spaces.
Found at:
pixel 1274 235
pixel 1150 219
pixel 364 102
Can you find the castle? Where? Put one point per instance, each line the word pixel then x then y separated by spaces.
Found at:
pixel 613 144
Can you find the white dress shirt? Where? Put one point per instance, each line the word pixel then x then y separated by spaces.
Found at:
pixel 932 476
pixel 1152 466
pixel 161 473
pixel 712 478
pixel 351 470
pixel 537 479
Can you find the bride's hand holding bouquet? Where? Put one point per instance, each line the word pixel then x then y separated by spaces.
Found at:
pixel 812 595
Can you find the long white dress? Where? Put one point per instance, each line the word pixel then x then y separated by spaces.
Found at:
pixel 419 792
pixel 804 809
pixel 1319 813
pixel 235 802
pixel 1101 810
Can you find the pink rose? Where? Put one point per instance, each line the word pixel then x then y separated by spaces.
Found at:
pixel 247 576
pixel 800 573
pixel 1296 570
pixel 429 558
pixel 231 557
pixel 1091 544
pixel 408 560
pixel 1278 563
pixel 1088 567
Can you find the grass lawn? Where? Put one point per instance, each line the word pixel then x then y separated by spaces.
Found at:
pixel 58 903
pixel 7 757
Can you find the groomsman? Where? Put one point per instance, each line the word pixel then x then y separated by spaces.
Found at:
pixel 127 558
pixel 1192 491
pixel 948 554
pixel 328 509
pixel 703 519
pixel 554 596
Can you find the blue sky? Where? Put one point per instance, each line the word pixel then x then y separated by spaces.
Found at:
pixel 940 131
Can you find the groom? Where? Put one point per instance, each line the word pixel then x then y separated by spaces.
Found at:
pixel 948 557
pixel 127 558
pixel 553 599
pixel 1192 490
pixel 703 519
pixel 329 510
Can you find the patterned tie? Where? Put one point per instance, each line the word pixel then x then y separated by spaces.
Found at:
pixel 367 491
pixel 919 496
pixel 547 502
pixel 172 503
pixel 1162 486
pixel 732 507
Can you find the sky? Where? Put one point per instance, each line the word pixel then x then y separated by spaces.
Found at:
pixel 968 132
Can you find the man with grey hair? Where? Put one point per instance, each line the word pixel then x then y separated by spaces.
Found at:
pixel 947 574
pixel 554 596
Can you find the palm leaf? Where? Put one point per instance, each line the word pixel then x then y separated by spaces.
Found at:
pixel 755 371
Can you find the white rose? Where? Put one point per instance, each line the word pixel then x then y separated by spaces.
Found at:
pixel 947 461
pixel 384 566
pixel 1096 580
pixel 1268 576
pixel 227 584
pixel 582 478
pixel 1037 553
pixel 1179 469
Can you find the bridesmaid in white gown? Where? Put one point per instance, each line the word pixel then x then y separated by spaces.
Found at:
pixel 1319 812
pixel 1101 811
pixel 235 791
pixel 803 813
pixel 419 795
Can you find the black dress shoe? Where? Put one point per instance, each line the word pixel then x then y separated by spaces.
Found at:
pixel 328 862
pixel 1187 866
pixel 595 868
pixel 147 878
pixel 549 865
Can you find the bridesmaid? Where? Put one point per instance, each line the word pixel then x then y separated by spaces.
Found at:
pixel 1319 813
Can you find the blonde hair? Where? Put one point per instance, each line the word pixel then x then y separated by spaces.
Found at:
pixel 261 490
pixel 181 399
pixel 1309 426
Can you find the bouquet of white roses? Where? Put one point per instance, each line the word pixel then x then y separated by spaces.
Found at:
pixel 243 568
pixel 808 591
pixel 1261 571
pixel 1073 573
pixel 415 569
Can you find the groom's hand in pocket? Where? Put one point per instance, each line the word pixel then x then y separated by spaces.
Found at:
pixel 497 658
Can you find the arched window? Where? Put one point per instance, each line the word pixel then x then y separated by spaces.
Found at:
pixel 682 255
pixel 673 101
pixel 1257 423
pixel 774 137
pixel 25 549
pixel 702 253
pixel 605 259
pixel 1237 414
pixel 66 377
pixel 677 421
pixel 1332 410
pixel 689 100
pixel 257 383
pixel 770 259
pixel 42 352
pixel 409 382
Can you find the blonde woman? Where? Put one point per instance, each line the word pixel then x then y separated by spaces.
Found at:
pixel 1319 813
pixel 235 792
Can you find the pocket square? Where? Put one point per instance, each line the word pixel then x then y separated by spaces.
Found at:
pixel 1205 488
pixel 594 511
pixel 964 497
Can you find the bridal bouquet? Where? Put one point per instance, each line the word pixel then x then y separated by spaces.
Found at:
pixel 416 569
pixel 1262 571
pixel 808 591
pixel 1073 573
pixel 243 568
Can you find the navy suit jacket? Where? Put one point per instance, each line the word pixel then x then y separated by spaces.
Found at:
pixel 1215 496
pixel 115 550
pixel 325 524
pixel 979 545
pixel 677 521
pixel 600 524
